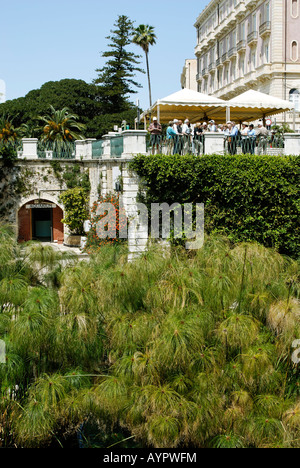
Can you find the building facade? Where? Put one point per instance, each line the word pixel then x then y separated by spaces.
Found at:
pixel 188 75
pixel 250 44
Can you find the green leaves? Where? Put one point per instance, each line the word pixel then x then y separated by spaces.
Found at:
pixel 76 210
pixel 247 198
pixel 175 349
pixel 116 80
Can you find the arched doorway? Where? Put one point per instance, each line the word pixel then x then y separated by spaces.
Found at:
pixel 40 220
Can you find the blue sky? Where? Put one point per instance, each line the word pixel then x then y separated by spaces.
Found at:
pixel 48 41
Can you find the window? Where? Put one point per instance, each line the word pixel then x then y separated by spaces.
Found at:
pixel 234 36
pixel 294 8
pixel 243 35
pixel 233 70
pixel 242 66
pixel 294 51
pixel 254 25
pixel 267 53
pixel 227 75
pixel 267 12
pixel 295 98
pixel 253 60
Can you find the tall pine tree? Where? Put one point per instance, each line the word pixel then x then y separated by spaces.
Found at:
pixel 116 80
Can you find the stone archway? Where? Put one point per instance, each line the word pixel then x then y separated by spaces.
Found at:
pixel 40 220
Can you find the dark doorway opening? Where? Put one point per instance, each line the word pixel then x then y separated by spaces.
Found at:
pixel 42 224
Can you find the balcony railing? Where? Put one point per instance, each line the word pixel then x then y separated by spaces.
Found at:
pixel 211 66
pixel 252 38
pixel 265 29
pixel 232 52
pixel 219 62
pixel 225 57
pixel 204 72
pixel 241 46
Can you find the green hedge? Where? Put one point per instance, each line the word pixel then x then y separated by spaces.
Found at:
pixel 248 198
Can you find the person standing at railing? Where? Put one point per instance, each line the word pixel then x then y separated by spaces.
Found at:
pixel 172 137
pixel 245 138
pixel 226 132
pixel 235 136
pixel 187 132
pixel 198 139
pixel 252 138
pixel 176 138
pixel 262 135
pixel 231 136
pixel 212 126
pixel 205 127
pixel 180 137
pixel 155 130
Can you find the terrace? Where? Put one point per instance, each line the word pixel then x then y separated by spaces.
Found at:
pixel 133 142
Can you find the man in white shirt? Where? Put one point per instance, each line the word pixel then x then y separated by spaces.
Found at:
pixel 187 132
pixel 212 126
pixel 262 136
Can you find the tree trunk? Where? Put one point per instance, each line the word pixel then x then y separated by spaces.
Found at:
pixel 149 83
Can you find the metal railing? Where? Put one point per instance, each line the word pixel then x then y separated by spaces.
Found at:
pixel 116 147
pixel 232 52
pixel 180 144
pixel 97 149
pixel 16 145
pixel 265 28
pixel 269 145
pixel 183 145
pixel 55 150
pixel 225 57
pixel 241 45
pixel 252 38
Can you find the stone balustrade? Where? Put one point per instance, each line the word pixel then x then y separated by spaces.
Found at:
pixel 129 143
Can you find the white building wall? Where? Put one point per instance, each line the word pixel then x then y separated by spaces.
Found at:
pixel 235 55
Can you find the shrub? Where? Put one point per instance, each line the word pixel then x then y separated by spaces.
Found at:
pixel 75 201
pixel 247 198
pixel 94 243
pixel 8 154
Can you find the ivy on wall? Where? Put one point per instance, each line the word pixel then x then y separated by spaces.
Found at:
pixel 248 198
pixel 72 175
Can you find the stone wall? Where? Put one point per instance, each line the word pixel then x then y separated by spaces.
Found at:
pixel 33 179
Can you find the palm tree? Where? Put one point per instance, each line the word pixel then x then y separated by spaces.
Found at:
pixel 144 37
pixel 60 126
pixel 8 132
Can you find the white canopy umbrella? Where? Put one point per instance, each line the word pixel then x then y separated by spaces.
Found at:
pixel 253 105
pixel 186 103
